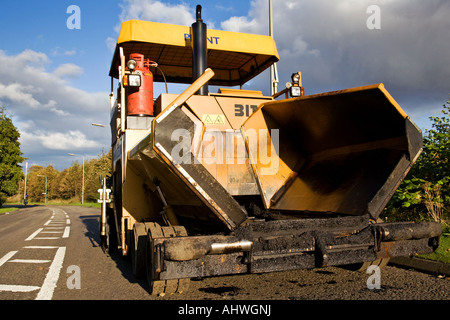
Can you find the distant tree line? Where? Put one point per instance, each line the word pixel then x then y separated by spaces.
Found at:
pixel 66 185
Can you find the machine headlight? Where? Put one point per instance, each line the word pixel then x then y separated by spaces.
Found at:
pixel 131 64
pixel 134 80
pixel 295 91
pixel 295 78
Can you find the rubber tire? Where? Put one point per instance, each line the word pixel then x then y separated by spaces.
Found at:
pixel 109 242
pixel 162 287
pixel 138 245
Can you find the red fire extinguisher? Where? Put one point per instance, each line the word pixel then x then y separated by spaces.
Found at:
pixel 139 86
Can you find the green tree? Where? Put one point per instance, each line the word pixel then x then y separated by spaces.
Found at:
pixel 427 187
pixel 36 183
pixel 70 182
pixel 35 187
pixel 10 157
pixel 96 170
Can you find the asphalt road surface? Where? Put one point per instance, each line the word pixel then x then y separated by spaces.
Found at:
pixel 53 253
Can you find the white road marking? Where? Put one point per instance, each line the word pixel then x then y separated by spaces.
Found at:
pixel 17 288
pixel 66 232
pixel 47 289
pixel 51 279
pixel 29 261
pixel 34 234
pixel 46 238
pixel 7 256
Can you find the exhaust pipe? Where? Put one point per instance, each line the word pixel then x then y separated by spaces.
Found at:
pixel 199 60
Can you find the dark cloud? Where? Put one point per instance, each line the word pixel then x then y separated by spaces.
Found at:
pixel 329 41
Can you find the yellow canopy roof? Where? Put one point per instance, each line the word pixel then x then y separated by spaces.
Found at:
pixel 234 57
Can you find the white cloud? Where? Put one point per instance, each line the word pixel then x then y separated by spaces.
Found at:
pixel 70 52
pixel 152 10
pixel 111 44
pixel 240 24
pixel 36 87
pixel 17 93
pixel 221 7
pixel 52 116
pixel 156 11
pixel 68 70
pixel 70 140
pixel 58 51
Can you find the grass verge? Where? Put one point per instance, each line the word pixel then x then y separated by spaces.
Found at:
pixel 7 210
pixel 442 253
pixel 10 207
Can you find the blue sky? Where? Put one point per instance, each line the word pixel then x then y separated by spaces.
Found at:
pixel 54 81
pixel 41 27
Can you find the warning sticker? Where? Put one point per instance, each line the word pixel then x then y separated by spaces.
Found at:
pixel 213 119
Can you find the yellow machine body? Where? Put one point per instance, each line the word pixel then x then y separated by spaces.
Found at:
pixel 236 181
pixel 341 152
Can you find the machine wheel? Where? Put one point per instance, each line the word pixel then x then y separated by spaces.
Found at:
pixel 162 287
pixel 109 241
pixel 138 244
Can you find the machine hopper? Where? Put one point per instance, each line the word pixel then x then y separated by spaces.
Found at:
pixel 341 152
